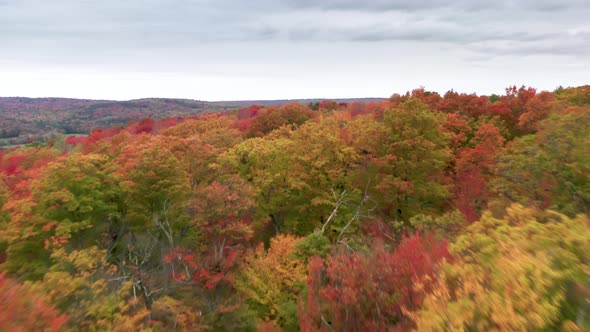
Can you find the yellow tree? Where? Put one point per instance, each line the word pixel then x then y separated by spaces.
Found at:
pixel 198 144
pixel 272 280
pixel 86 288
pixel 522 272
pixel 323 164
pixel 265 163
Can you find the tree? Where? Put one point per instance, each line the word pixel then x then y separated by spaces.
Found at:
pixel 264 163
pixel 156 188
pixel 198 143
pixel 272 118
pixel 322 163
pixel 549 169
pixel 525 271
pixel 372 291
pixel 86 287
pixel 78 197
pixel 411 169
pixel 574 96
pixel 474 168
pixel 71 202
pixel 272 280
pixel 536 109
pixel 223 212
pixel 22 309
pixel 429 98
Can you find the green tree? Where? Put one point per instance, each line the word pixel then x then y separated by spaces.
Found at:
pixel 412 166
pixel 71 203
pixel 265 163
pixel 549 169
pixel 156 188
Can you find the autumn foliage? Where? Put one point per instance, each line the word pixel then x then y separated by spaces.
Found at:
pixel 24 310
pixel 426 212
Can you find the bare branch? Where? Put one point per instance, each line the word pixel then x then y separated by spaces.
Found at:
pixel 339 202
pixel 356 213
pixel 327 324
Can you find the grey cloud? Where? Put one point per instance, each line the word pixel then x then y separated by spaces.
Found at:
pixel 463 30
pixel 502 26
pixel 428 5
pixel 370 4
pixel 553 6
pixel 562 46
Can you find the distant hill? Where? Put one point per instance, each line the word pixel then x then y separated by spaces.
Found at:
pixel 245 103
pixel 25 119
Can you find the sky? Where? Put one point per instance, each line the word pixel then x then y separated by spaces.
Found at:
pixel 288 49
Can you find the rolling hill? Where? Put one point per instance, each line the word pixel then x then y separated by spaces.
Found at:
pixel 28 119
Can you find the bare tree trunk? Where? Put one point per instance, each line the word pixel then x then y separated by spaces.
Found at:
pixel 276 224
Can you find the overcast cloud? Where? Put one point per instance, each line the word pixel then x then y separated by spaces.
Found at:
pixel 268 49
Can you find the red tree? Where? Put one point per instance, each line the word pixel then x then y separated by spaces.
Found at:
pixel 371 292
pixel 23 310
pixel 474 169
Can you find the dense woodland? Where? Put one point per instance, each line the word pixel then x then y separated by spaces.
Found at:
pixel 425 212
pixel 25 120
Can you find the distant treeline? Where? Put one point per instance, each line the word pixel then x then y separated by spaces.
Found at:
pixel 23 120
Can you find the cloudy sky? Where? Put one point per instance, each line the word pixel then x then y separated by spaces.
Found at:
pixel 274 49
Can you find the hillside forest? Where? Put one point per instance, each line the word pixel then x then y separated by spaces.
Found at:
pixel 26 120
pixel 421 212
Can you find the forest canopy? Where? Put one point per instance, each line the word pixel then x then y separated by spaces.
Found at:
pixel 425 212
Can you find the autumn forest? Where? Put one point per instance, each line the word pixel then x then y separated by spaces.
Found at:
pixel 420 212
